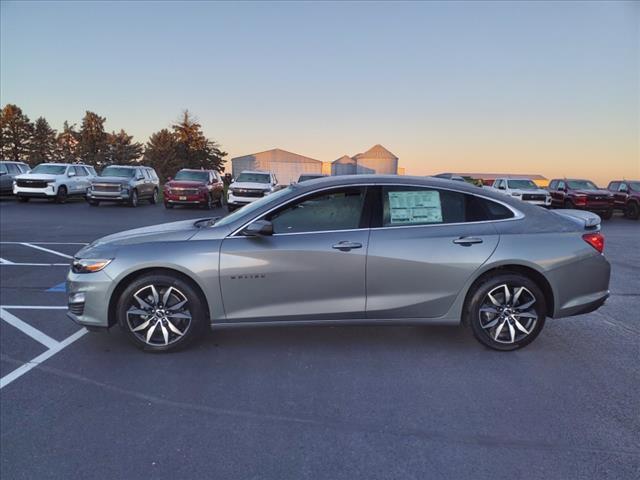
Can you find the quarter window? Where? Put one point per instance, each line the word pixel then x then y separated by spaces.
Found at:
pixel 402 206
pixel 339 209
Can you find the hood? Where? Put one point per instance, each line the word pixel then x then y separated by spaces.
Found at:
pixel 166 232
pixel 251 185
pixel 587 191
pixel 118 180
pixel 37 176
pixel 184 184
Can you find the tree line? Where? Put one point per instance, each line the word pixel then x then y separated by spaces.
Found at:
pixel 182 145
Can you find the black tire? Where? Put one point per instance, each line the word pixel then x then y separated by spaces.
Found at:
pixel 94 203
pixel 168 205
pixel 194 307
pixel 208 205
pixel 133 198
pixel 154 198
pixel 23 199
pixel 497 337
pixel 569 204
pixel 62 194
pixel 632 210
pixel 607 214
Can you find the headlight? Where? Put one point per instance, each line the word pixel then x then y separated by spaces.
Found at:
pixel 86 265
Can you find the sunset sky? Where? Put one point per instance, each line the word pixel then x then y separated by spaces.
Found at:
pixel 547 87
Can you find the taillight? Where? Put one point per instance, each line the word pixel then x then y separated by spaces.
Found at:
pixel 596 240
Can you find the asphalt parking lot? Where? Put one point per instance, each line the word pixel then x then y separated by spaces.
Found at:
pixel 304 402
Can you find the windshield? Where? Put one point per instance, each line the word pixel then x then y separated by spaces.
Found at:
pixel 522 184
pixel 192 176
pixel 581 184
pixel 118 172
pixel 49 169
pixel 634 185
pixel 253 206
pixel 253 178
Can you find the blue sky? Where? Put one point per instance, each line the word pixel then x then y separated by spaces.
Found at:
pixel 547 88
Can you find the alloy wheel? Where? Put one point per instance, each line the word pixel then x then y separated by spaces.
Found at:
pixel 159 315
pixel 507 314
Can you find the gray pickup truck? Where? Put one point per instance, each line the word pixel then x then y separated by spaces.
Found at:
pixel 124 184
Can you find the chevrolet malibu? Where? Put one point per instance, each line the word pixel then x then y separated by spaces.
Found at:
pixel 348 250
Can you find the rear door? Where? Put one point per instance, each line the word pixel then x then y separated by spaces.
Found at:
pixel 425 244
pixel 311 268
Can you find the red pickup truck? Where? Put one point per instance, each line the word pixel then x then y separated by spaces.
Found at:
pixel 195 187
pixel 626 197
pixel 581 195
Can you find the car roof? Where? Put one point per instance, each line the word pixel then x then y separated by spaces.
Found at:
pixel 193 170
pixel 254 171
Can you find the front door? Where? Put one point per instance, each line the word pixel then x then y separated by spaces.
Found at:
pixel 425 247
pixel 311 268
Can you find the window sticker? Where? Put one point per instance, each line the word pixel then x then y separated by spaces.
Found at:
pixel 418 206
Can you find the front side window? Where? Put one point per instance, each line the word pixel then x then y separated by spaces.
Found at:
pixel 80 172
pixel 254 177
pixel 339 209
pixel 13 168
pixel 23 168
pixel 623 187
pixel 553 185
pixel 561 185
pixel 404 206
pixel 49 169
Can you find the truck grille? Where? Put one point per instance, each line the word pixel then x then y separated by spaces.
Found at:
pixel 31 183
pixel 533 197
pixel 106 187
pixel 241 192
pixel 184 191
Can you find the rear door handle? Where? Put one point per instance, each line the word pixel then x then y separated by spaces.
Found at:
pixel 466 241
pixel 345 246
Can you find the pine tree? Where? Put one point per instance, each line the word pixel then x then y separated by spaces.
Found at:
pixel 67 144
pixel 161 154
pixel 194 150
pixel 121 150
pixel 92 145
pixel 43 143
pixel 15 134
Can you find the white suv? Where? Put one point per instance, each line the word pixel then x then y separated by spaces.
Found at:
pixel 250 186
pixel 55 181
pixel 524 189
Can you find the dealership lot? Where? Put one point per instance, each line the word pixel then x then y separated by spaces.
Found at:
pixel 304 402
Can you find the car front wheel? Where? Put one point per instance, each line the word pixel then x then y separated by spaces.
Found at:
pixel 154 198
pixel 133 199
pixel 160 312
pixel 61 196
pixel 632 211
pixel 506 312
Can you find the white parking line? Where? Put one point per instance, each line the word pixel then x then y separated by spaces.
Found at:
pixel 53 346
pixel 5 262
pixel 45 243
pixel 27 329
pixel 8 264
pixel 18 372
pixel 48 250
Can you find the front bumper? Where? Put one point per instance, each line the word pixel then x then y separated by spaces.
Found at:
pixel 238 200
pixel 121 196
pixel 185 199
pixel 88 297
pixel 47 192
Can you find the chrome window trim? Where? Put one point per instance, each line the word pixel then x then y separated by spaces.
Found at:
pixel 517 214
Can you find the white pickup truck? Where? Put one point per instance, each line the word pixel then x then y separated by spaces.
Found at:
pixel 524 189
pixel 55 181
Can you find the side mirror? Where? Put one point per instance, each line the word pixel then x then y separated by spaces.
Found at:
pixel 169 179
pixel 2 173
pixel 501 187
pixel 259 227
pixel 71 174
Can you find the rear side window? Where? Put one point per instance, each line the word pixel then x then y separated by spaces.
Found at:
pixel 3 168
pixel 13 168
pixel 146 173
pixel 404 206
pixel 80 171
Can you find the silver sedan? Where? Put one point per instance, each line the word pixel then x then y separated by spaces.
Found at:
pixel 352 249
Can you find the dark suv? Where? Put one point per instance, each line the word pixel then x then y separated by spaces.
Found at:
pixel 124 184
pixel 195 187
pixel 626 197
pixel 581 195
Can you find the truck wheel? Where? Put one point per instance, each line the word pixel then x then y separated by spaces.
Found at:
pixel 167 205
pixel 632 211
pixel 61 196
pixel 133 199
pixel 154 198
pixel 569 204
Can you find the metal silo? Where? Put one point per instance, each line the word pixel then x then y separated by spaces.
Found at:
pixel 377 160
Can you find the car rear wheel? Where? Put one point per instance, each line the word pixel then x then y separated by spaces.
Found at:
pixel 506 312
pixel 61 196
pixel 632 211
pixel 154 198
pixel 160 313
pixel 133 199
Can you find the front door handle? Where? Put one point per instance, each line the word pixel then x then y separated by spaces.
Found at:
pixel 345 246
pixel 467 241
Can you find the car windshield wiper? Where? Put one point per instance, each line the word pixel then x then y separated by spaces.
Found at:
pixel 206 222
